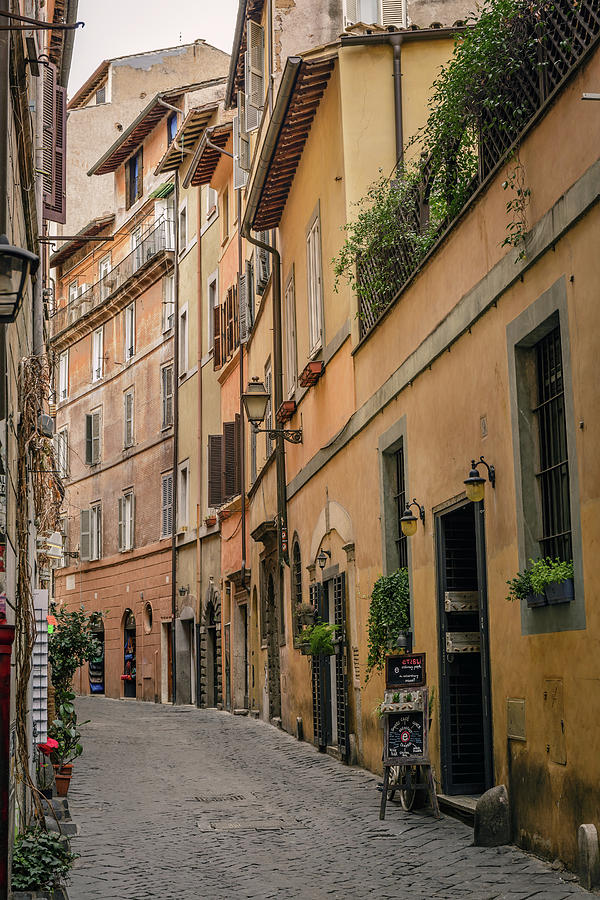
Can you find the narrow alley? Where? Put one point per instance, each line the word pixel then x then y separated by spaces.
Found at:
pixel 185 803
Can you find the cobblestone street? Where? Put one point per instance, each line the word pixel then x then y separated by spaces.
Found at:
pixel 185 803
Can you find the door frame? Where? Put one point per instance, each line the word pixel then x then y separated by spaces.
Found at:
pixel 486 685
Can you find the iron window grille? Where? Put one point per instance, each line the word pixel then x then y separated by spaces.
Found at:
pixel 400 501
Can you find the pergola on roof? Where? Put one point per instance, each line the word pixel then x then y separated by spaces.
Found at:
pixel 190 130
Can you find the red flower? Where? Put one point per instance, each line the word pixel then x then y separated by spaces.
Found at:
pixel 48 747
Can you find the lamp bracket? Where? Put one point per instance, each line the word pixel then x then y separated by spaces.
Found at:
pixel 490 469
pixel 293 435
pixel 419 507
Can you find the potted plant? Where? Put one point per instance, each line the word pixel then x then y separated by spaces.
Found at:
pixel 389 617
pixel 319 639
pixel 44 768
pixel 555 578
pixel 41 863
pixel 64 730
pixel 521 588
pixel 210 521
pixel 305 613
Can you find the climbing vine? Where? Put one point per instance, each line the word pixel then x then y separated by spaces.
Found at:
pixel 516 209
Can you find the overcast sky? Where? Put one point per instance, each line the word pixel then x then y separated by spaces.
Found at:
pixel 119 27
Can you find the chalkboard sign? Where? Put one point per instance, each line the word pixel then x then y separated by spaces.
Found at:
pixel 405 671
pixel 405 737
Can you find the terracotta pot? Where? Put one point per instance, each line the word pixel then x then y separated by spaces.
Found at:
pixel 63 779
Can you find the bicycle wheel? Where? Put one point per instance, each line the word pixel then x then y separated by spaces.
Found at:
pixel 395 776
pixel 410 777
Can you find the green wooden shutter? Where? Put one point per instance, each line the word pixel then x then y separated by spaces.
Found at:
pixel 84 537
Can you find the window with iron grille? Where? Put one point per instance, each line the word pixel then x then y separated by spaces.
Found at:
pixel 296 575
pixel 553 474
pixel 134 179
pixel 399 489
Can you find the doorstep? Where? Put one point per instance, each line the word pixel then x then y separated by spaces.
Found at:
pixel 461 807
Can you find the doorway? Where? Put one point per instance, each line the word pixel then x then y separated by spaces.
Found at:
pixel 273 651
pixel 330 681
pixel 245 660
pixel 96 665
pixel 465 707
pixel 129 675
pixel 211 656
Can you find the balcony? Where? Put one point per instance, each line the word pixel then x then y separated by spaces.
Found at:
pixel 127 279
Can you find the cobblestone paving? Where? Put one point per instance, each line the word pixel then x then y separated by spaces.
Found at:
pixel 179 803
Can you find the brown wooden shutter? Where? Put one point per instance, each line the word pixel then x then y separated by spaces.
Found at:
pixel 215 470
pixel 89 453
pixel 217 341
pixel 229 459
pixel 54 149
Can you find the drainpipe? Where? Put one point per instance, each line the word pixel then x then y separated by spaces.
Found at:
pixel 175 449
pixel 7 634
pixel 242 443
pixel 38 303
pixel 200 449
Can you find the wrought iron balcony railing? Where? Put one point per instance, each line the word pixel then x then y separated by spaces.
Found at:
pixel 160 238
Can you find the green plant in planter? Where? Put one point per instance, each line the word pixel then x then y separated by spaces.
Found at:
pixel 65 731
pixel 318 638
pixel 41 860
pixel 544 572
pixel 519 587
pixel 389 614
pixel 72 644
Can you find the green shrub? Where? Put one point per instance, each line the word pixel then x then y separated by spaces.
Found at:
pixel 389 614
pixel 318 638
pixel 41 860
pixel 538 576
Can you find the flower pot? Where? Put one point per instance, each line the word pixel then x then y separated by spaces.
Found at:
pixel 560 591
pixel 210 521
pixel 63 779
pixel 535 600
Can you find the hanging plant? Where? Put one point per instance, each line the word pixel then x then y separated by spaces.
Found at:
pixel 389 614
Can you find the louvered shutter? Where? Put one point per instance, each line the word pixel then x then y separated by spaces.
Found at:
pixel 128 419
pixel 244 146
pixel 217 343
pixel 95 437
pixel 54 147
pixel 84 537
pixel 237 480
pixel 121 524
pixel 249 296
pixel 89 453
pixel 132 524
pixel 341 665
pixel 243 297
pixel 167 506
pixel 255 42
pixel 240 177
pixel 215 470
pixel 252 113
pixel 351 12
pixel 229 458
pixel 262 263
pixel 393 12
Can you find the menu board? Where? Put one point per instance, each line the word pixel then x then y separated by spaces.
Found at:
pixel 405 737
pixel 405 671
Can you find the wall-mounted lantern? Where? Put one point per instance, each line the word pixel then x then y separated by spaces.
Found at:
pixel 15 267
pixel 256 400
pixel 408 521
pixel 475 483
pixel 323 557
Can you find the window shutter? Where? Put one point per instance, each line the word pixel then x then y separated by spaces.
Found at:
pixel 229 459
pixel 237 462
pixel 128 419
pixel 244 146
pixel 252 113
pixel 393 12
pixel 167 506
pixel 217 356
pixel 255 87
pixel 89 458
pixel 84 538
pixel 99 531
pixel 351 12
pixel 49 131
pixel 240 177
pixel 132 524
pixel 54 147
pixel 121 524
pixel 95 437
pixel 243 297
pixel 249 297
pixel 215 470
pixel 262 264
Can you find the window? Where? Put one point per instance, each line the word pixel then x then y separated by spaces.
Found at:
pixel 553 472
pixel 183 228
pixel 92 437
pixel 137 248
pixel 73 288
pixel 126 521
pixel 101 95
pixel 166 529
pixel 296 576
pixel 183 496
pixel 97 354
pixel 90 542
pixel 213 303
pixel 128 418
pixel 171 127
pixel 167 396
pixel 211 202
pixel 290 337
pixel 225 215
pixel 399 493
pixel 61 445
pixel 129 331
pixel 269 411
pixel 254 74
pixel 315 298
pixel 183 341
pixel 375 12
pixel 134 179
pixel 104 269
pixel 63 375
pixel 168 302
pixel 224 468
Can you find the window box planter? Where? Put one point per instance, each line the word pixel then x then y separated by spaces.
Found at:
pixel 311 372
pixel 535 600
pixel 560 592
pixel 286 411
pixel 210 521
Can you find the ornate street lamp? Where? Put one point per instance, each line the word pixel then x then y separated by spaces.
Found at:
pixel 256 400
pixel 15 267
pixel 475 483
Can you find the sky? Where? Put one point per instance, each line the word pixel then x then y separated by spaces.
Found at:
pixel 120 27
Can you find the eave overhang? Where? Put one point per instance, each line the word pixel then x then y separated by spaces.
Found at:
pixel 70 247
pixel 206 158
pixel 184 141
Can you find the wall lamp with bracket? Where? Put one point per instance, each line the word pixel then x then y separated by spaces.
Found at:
pixel 475 483
pixel 256 400
pixel 408 521
pixel 322 558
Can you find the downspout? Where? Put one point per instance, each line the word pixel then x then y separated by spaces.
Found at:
pixel 175 450
pixel 200 468
pixel 242 441
pixel 38 303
